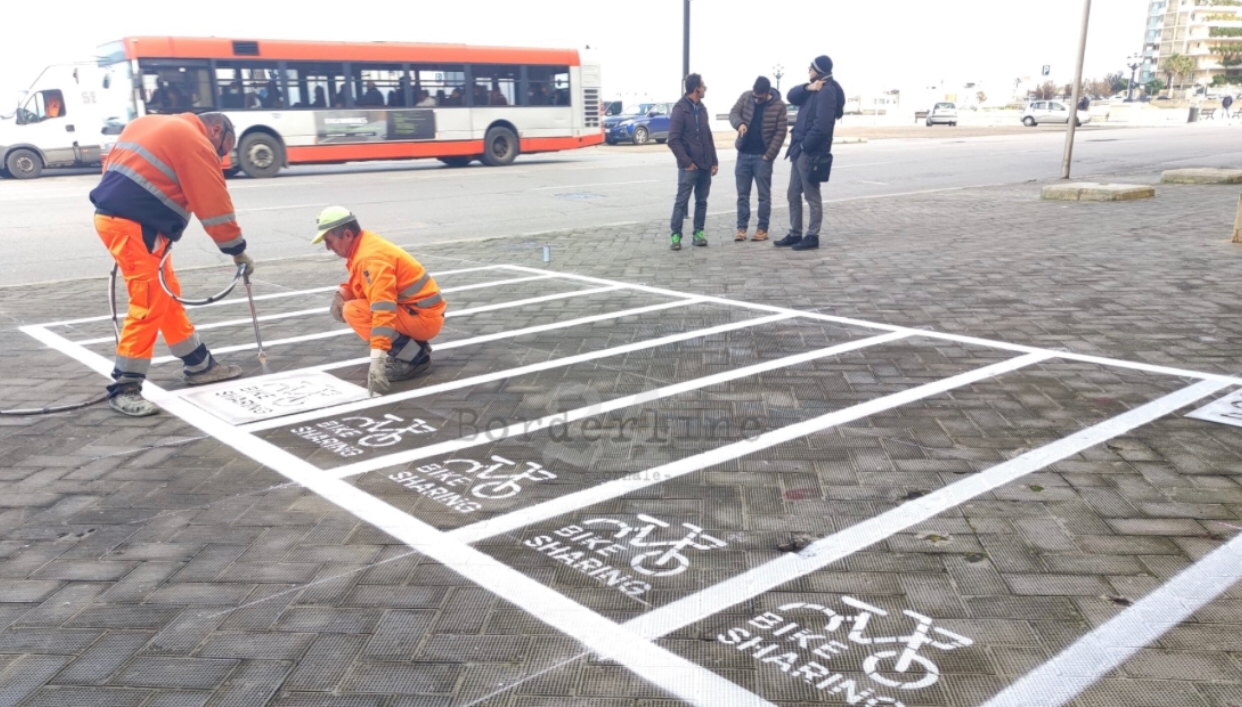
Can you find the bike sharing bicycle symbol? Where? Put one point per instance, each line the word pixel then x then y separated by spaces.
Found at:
pixel 599 543
pixel 464 484
pixel 341 436
pixel 800 648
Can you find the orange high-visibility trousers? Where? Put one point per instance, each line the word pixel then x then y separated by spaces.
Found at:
pixel 151 311
pixel 413 323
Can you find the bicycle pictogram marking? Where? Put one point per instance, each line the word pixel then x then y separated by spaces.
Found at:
pixel 667 559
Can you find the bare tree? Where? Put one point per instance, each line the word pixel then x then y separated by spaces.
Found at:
pixel 1045 91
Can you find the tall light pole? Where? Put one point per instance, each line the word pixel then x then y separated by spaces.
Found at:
pixel 1072 123
pixel 778 71
pixel 685 46
pixel 1133 61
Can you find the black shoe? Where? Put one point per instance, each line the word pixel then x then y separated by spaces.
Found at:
pixel 789 240
pixel 808 243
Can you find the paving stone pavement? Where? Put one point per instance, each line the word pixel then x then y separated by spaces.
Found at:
pixel 146 563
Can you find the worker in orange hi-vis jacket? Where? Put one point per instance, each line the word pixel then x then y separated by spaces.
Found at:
pixel 162 169
pixel 390 299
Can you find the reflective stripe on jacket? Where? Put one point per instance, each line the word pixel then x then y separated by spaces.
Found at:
pixel 388 277
pixel 162 169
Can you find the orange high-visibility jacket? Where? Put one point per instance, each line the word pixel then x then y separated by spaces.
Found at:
pixel 388 277
pixel 162 169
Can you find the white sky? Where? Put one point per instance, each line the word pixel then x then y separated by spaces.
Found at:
pixel 876 44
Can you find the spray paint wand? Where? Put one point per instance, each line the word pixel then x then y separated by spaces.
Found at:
pixel 254 317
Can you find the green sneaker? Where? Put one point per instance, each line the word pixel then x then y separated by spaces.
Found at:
pixel 676 242
pixel 700 239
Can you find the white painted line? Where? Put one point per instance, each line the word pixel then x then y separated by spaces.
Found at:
pixel 619 487
pixel 588 186
pixel 508 373
pixel 668 671
pixel 450 313
pixel 323 310
pixel 276 295
pixel 1108 647
pixel 822 553
pixel 970 340
pixel 286 182
pixel 570 416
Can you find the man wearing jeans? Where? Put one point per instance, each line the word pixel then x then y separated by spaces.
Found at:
pixel 761 123
pixel 690 139
pixel 820 103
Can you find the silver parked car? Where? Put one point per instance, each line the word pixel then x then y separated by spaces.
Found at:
pixel 1051 112
pixel 944 113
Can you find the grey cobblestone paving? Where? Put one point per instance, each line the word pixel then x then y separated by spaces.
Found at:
pixel 144 564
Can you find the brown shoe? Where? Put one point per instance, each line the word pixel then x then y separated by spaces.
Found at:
pixel 741 235
pixel 760 235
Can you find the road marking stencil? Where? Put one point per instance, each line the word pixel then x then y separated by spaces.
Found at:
pixel 633 644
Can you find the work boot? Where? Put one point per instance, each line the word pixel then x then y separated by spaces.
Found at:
pixel 741 235
pixel 218 372
pixel 808 243
pixel 700 239
pixel 760 235
pixel 676 242
pixel 399 370
pixel 789 240
pixel 129 401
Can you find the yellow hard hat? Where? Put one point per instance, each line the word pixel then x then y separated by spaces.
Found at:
pixel 330 218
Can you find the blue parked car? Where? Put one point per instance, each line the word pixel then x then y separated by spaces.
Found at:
pixel 639 124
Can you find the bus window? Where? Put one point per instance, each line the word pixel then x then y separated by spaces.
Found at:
pixel 320 85
pixel 549 86
pixel 379 85
pixel 245 85
pixel 442 85
pixel 495 84
pixel 174 87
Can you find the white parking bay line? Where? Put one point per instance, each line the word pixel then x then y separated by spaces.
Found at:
pixel 666 670
pixel 322 310
pixel 822 553
pixel 451 313
pixel 604 492
pixel 1108 647
pixel 480 379
pixel 257 298
pixel 568 416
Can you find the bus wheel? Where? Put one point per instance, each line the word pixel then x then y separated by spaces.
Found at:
pixel 500 147
pixel 457 161
pixel 24 164
pixel 260 155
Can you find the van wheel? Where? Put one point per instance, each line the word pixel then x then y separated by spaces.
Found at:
pixel 929 122
pixel 260 155
pixel 456 161
pixel 500 147
pixel 24 164
pixel 1028 121
pixel 640 135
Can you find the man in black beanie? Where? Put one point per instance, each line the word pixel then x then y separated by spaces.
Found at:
pixel 819 107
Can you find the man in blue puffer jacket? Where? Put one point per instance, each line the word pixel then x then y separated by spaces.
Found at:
pixel 820 104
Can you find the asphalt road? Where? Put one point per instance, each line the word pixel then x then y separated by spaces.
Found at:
pixel 47 233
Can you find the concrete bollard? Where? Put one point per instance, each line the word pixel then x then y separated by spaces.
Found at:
pixel 1237 223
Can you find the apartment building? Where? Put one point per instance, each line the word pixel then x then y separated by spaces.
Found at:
pixel 1208 31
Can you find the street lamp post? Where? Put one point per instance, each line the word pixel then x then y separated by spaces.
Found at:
pixel 778 71
pixel 1133 61
pixel 685 45
pixel 1068 159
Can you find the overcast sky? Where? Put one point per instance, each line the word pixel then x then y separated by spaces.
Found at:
pixel 875 45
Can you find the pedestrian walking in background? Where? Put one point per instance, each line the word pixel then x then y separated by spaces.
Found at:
pixel 761 123
pixel 821 102
pixel 1227 103
pixel 690 139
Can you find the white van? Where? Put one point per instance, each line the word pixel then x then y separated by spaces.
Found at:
pixel 62 120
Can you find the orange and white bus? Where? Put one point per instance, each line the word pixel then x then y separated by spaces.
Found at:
pixel 299 102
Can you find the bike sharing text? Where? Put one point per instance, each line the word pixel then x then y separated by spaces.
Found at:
pixel 805 648
pixel 599 543
pixel 460 484
pixel 341 436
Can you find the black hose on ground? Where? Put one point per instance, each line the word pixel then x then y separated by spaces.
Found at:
pixel 56 408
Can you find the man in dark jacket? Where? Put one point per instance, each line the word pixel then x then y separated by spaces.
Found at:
pixel 690 139
pixel 761 123
pixel 819 104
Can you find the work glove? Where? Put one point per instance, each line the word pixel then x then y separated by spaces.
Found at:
pixel 243 259
pixel 377 377
pixel 338 307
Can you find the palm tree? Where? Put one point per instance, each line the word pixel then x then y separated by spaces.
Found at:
pixel 1178 65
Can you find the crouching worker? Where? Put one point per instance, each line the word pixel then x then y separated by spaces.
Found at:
pixel 390 299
